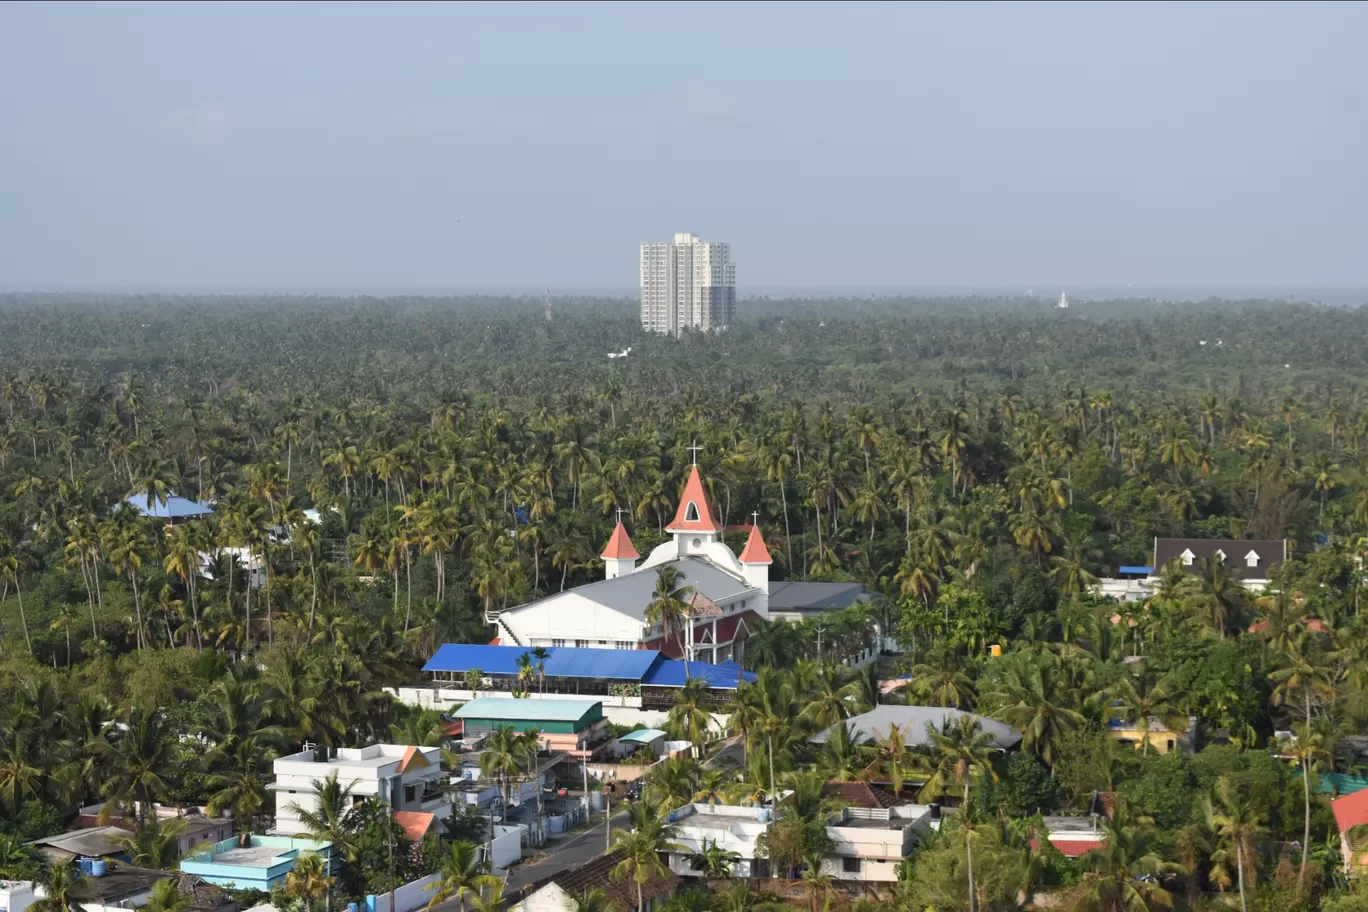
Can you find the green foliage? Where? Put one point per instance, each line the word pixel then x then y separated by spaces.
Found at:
pixel 1023 787
pixel 1165 787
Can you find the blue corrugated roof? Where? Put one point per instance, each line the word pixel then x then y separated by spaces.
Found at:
pixel 564 661
pixel 617 664
pixel 172 508
pixel 461 657
pixel 670 673
pixel 1135 570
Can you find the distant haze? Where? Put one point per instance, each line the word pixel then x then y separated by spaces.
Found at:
pixel 1052 147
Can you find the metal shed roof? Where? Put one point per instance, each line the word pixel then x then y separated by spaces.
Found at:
pixel 564 661
pixel 670 673
pixel 643 735
pixel 915 723
pixel 172 507
pixel 510 710
pixel 800 596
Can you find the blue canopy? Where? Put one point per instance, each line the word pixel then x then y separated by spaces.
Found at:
pixel 1143 570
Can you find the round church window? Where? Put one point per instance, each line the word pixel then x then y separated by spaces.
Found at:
pixel 698 542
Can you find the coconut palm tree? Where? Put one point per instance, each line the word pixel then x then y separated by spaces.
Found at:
pixel 140 755
pixel 958 753
pixel 156 845
pixel 669 607
pixel 689 717
pixel 1145 698
pixel 335 819
pixel 640 847
pixel 462 872
pixel 166 896
pixel 1310 747
pixel 1240 825
pixel 62 891
pixel 309 879
pixel 1126 873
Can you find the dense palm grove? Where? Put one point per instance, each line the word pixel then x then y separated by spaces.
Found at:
pixel 978 463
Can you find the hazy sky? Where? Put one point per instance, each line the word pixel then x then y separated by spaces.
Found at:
pixel 1022 144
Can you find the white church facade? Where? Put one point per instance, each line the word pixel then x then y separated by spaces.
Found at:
pixel 730 593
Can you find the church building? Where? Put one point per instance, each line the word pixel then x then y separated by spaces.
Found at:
pixel 729 597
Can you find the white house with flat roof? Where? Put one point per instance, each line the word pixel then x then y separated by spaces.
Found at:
pixel 404 778
pixel 867 843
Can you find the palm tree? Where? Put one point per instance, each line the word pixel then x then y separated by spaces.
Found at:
pixel 61 888
pixel 669 607
pixel 1145 699
pixel 502 758
pixel 12 570
pixel 182 559
pixel 1309 747
pixel 958 753
pixel 594 899
pixel 309 878
pixel 892 758
pixel 140 756
pixel 462 871
pixel 1240 825
pixel 641 846
pixel 1303 672
pixel 491 900
pixel 166 897
pixel 1125 873
pixel 713 861
pixel 155 846
pixel 1030 695
pixel 689 717
pixel 335 820
pixel 539 655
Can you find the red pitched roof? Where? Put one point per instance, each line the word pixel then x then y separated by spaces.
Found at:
pixel 415 823
pixel 1351 810
pixel 619 546
pixel 755 551
pixel 1072 848
pixel 694 514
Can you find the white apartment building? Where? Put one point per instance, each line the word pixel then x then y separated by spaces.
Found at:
pixel 868 843
pixel 687 284
pixel 405 778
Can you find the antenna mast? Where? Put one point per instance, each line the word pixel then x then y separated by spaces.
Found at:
pixel 548 305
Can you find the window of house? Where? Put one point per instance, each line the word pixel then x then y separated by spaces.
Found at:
pixel 1187 557
pixel 581 644
pixel 850 865
pixel 560 642
pixel 410 793
pixel 1251 559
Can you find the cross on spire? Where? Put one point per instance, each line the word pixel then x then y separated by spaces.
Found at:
pixel 755 518
pixel 620 511
pixel 695 449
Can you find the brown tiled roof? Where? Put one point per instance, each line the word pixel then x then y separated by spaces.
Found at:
pixel 598 874
pixel 860 794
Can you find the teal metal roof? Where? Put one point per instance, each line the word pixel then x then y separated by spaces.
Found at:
pixel 504 709
pixel 645 735
pixel 1339 783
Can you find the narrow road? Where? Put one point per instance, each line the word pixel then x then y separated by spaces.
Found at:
pixel 562 856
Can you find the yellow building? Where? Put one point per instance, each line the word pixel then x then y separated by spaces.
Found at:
pixel 1161 738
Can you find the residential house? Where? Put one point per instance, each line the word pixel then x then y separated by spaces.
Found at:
pixel 262 864
pixel 196 826
pixel 914 725
pixel 1352 811
pixel 867 843
pixel 558 892
pixel 563 725
pixel 404 778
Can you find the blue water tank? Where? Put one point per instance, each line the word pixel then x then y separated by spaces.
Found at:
pixel 97 868
pixel 763 815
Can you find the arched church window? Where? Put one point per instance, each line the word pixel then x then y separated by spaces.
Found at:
pixel 691 512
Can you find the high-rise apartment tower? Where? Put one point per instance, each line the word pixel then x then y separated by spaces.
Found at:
pixel 687 284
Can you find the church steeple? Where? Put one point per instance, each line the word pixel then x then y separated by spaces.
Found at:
pixel 694 513
pixel 755 557
pixel 619 556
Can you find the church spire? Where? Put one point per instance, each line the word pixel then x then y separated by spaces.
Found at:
pixel 755 551
pixel 694 514
pixel 619 556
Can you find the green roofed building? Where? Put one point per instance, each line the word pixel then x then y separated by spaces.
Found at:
pixel 563 724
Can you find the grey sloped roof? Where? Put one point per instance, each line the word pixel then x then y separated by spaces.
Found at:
pixel 1271 552
pixel 798 596
pixel 915 722
pixel 632 592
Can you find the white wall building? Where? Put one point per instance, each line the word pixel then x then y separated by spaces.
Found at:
pixel 868 842
pixel 405 778
pixel 687 284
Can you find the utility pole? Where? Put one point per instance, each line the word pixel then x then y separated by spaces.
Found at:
pixel 607 820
